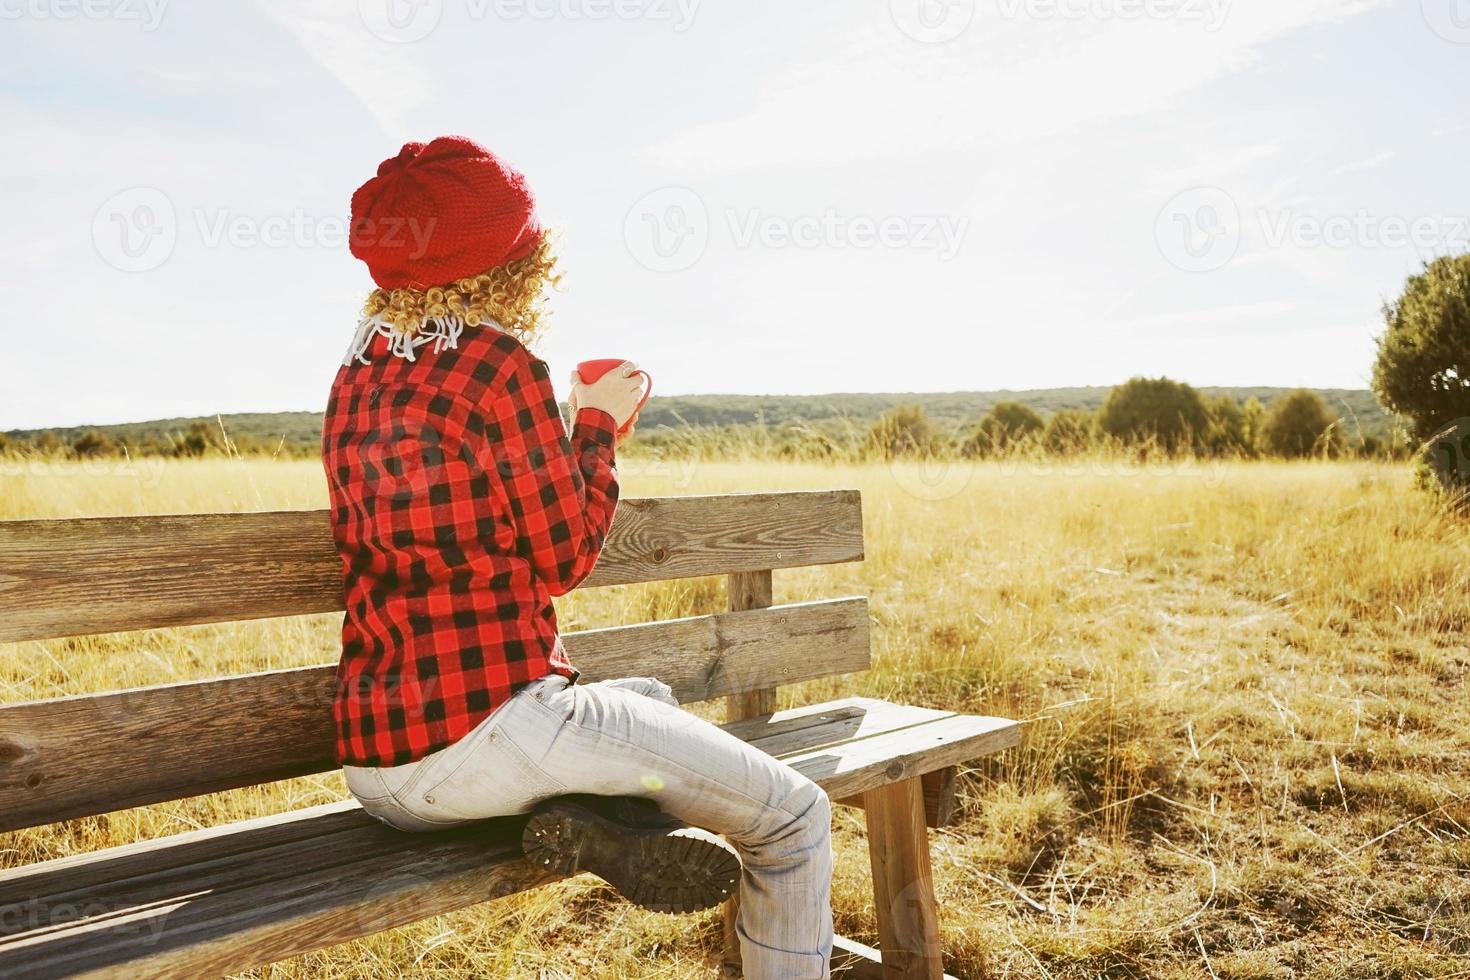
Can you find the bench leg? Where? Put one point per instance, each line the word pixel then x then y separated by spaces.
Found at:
pixel 903 883
pixel 746 590
pixel 939 797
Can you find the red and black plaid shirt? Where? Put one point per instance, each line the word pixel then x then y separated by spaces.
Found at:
pixel 460 507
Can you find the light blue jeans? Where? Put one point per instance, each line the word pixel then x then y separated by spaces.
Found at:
pixel 628 737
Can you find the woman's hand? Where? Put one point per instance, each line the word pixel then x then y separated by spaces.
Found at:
pixel 617 393
pixel 624 435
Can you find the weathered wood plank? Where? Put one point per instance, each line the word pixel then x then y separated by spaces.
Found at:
pixel 805 715
pixel 939 797
pixel 750 590
pixel 81 872
pixel 861 718
pixel 227 899
pixel 238 846
pixel 78 756
pixel 746 590
pixel 851 960
pixel 903 883
pixel 68 578
pixel 793 719
pixel 904 754
pixel 212 932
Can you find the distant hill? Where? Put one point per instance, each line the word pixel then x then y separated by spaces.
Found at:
pixel 956 408
pixel 300 432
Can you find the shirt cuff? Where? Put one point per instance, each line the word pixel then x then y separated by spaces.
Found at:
pixel 596 426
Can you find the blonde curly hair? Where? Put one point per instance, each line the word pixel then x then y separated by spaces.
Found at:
pixel 512 296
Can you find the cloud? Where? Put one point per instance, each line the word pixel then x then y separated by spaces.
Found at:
pixel 1358 166
pixel 383 76
pixel 1008 79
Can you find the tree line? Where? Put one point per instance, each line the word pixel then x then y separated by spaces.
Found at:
pixel 1421 375
pixel 1155 415
pixel 195 440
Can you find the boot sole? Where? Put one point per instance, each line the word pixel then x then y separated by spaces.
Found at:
pixel 678 871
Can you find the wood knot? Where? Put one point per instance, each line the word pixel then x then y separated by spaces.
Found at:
pixel 894 770
pixel 34 780
pixel 660 554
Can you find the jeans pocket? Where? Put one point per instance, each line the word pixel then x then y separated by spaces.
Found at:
pixel 494 777
pixel 372 793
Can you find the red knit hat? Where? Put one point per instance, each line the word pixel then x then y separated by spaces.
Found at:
pixel 442 211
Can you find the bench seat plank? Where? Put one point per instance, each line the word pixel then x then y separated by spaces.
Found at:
pixel 78 756
pixel 845 770
pixel 225 899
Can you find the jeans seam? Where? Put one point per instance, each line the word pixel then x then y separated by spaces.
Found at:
pixel 520 760
pixel 649 753
pixel 467 750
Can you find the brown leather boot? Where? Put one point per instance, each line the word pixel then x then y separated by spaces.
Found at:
pixel 654 860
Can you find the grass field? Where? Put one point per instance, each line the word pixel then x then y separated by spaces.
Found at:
pixel 1248 749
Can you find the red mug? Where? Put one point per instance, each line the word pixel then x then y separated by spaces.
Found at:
pixel 591 371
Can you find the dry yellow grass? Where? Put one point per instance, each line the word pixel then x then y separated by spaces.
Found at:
pixel 1246 687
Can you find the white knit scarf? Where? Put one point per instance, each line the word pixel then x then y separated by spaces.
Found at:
pixel 442 331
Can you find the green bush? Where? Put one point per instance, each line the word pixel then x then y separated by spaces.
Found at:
pixel 49 444
pixel 91 444
pixel 1069 431
pixel 1300 424
pixel 903 431
pixel 200 439
pixel 1005 426
pixel 1225 431
pixel 1158 410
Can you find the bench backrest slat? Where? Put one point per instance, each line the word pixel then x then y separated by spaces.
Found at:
pixel 96 575
pixel 78 756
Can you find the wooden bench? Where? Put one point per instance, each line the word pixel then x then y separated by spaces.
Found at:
pixel 232 897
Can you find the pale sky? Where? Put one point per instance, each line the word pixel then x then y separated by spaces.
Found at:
pixel 755 196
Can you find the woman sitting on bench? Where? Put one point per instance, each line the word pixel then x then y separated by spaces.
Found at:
pixel 460 508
